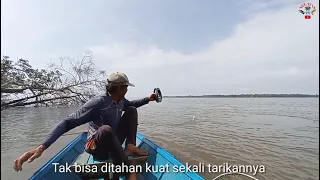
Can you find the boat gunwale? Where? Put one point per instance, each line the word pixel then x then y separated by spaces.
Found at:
pixel 161 151
pixel 168 156
pixel 56 158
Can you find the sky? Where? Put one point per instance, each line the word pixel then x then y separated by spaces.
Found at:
pixel 183 47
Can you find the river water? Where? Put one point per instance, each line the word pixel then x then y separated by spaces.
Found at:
pixel 279 135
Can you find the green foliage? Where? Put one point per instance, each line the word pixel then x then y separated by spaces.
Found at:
pixel 21 76
pixel 70 82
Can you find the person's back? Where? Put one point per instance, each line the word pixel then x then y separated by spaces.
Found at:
pixel 108 128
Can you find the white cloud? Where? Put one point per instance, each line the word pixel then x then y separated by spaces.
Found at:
pixel 274 51
pixel 272 47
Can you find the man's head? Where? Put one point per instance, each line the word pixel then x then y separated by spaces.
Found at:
pixel 117 84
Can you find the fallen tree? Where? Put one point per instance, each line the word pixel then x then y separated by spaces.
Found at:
pixel 70 82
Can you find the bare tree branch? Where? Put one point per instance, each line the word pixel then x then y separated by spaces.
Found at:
pixel 73 82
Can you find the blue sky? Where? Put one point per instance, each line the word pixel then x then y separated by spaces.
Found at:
pixel 183 47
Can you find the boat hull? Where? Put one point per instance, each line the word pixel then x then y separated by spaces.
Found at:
pixel 156 166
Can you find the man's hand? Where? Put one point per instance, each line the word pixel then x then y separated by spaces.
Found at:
pixel 152 97
pixel 29 155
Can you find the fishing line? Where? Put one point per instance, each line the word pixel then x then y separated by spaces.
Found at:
pixel 231 173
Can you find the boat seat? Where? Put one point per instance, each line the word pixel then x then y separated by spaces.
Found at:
pixel 90 171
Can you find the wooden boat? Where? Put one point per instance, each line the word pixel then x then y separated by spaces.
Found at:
pixel 155 164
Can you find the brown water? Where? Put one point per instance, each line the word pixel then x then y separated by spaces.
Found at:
pixel 280 134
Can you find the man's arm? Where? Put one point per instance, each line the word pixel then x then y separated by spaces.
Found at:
pixel 136 103
pixel 79 117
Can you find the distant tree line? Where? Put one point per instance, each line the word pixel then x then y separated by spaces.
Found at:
pixel 246 96
pixel 69 82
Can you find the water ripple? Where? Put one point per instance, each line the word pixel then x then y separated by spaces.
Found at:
pixel 281 134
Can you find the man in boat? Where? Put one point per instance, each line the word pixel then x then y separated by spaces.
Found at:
pixel 107 128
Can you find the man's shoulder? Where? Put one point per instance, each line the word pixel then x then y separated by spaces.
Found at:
pixel 96 101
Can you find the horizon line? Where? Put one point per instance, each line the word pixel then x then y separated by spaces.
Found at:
pixel 249 94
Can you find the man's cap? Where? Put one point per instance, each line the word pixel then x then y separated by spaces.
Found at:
pixel 119 79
